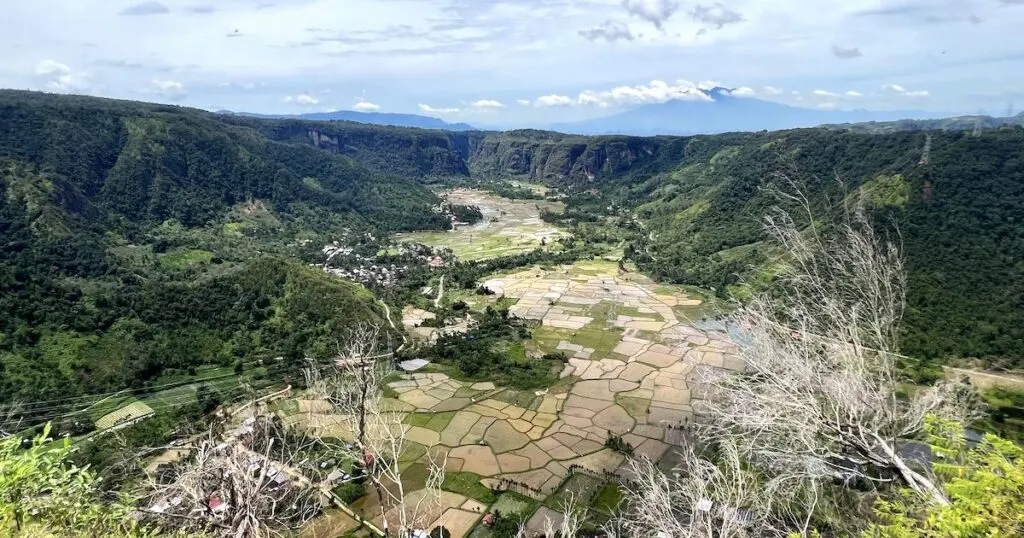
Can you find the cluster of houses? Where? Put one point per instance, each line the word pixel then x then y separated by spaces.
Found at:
pixel 368 271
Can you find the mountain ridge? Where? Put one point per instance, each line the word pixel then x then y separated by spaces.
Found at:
pixel 392 119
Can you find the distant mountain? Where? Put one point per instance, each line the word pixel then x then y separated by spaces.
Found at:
pixel 374 118
pixel 723 113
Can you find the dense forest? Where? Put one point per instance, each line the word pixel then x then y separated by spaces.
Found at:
pixel 695 206
pixel 145 239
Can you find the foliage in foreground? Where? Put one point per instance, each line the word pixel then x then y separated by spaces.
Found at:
pixel 985 485
pixel 42 494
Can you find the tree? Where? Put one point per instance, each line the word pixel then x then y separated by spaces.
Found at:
pixel 247 486
pixel 42 494
pixel 354 388
pixel 357 377
pixel 985 487
pixel 701 498
pixel 821 394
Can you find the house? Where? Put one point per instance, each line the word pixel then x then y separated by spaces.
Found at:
pixel 216 505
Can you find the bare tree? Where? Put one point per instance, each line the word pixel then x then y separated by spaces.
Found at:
pixel 356 377
pixel 700 498
pixel 821 394
pixel 354 388
pixel 242 487
pixel 573 516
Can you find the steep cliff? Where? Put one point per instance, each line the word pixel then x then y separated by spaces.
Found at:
pixel 411 153
pixel 560 159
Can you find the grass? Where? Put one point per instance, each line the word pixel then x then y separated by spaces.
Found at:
pixel 431 421
pixel 414 477
pixel 176 397
pixel 411 452
pixel 601 340
pixel 185 258
pixel 285 407
pixel 128 412
pixel 511 502
pixel 581 485
pixel 607 498
pixel 524 399
pixel 109 405
pixel 636 407
pixel 468 485
pixel 466 392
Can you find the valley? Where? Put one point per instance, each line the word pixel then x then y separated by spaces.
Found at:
pixel 165 268
pixel 633 363
pixel 508 227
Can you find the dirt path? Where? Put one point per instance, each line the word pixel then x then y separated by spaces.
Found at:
pixel 987 380
pixel 387 314
pixel 440 293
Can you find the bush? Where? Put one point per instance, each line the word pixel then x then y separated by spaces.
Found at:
pixel 440 532
pixel 350 492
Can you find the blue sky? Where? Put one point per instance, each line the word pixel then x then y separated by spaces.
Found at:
pixel 517 62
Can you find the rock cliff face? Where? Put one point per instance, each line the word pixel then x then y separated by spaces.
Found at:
pixel 535 155
pixel 559 159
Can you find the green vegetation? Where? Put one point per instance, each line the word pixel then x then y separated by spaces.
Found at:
pixel 493 351
pixel 350 492
pixel 431 421
pixel 608 498
pixel 693 207
pixel 43 494
pixel 985 486
pixel 468 485
pixel 886 191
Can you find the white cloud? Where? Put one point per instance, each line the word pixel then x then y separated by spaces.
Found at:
pixel 772 90
pixel 431 110
pixel 825 93
pixel 846 53
pixel 553 100
pixel 827 106
pixel 590 98
pixel 59 77
pixel 524 102
pixel 716 15
pixel 655 12
pixel 366 106
pixel 657 91
pixel 709 84
pixel 169 89
pixel 854 94
pixel 742 91
pixel 900 90
pixel 487 103
pixel 610 31
pixel 302 99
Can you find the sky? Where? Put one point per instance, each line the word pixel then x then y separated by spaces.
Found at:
pixel 519 62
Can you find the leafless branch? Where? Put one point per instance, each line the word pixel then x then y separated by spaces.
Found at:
pixel 821 394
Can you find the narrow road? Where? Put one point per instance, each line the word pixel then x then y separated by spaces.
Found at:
pixel 440 293
pixel 387 314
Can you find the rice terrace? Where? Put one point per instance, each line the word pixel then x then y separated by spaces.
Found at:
pixel 632 370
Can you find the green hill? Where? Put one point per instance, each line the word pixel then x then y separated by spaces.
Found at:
pixel 141 240
pixel 700 201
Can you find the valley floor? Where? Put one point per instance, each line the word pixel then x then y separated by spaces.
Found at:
pixel 635 362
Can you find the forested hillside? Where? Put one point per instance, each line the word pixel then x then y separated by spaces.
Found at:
pixel 699 202
pixel 117 214
pixel 141 240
